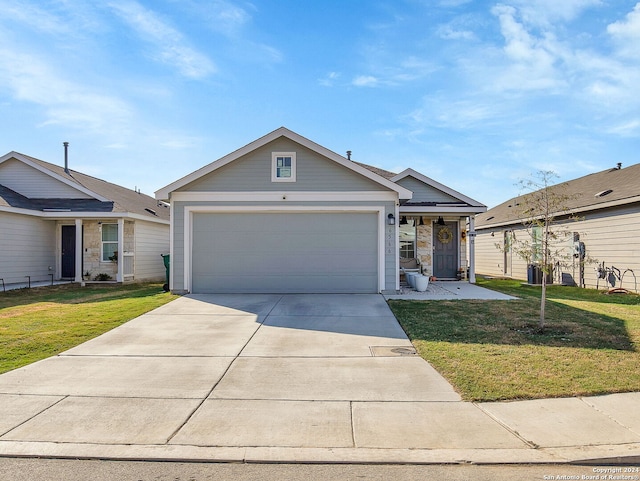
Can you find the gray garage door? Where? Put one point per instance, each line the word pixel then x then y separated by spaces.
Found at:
pixel 285 252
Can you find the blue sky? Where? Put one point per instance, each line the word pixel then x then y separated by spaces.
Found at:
pixel 475 94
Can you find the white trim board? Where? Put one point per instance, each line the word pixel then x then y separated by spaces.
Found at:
pixel 293 196
pixel 59 215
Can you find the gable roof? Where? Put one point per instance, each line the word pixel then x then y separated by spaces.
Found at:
pixel 105 196
pixel 600 190
pixel 463 200
pixel 165 192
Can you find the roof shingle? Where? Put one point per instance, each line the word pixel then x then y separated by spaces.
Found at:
pixel 121 199
pixel 614 186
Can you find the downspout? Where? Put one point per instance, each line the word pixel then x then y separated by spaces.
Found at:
pixel 472 249
pixel 120 271
pixel 79 252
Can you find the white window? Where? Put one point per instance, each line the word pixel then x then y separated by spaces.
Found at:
pixel 407 231
pixel 283 167
pixel 109 242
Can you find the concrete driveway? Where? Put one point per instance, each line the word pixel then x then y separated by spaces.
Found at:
pixel 254 377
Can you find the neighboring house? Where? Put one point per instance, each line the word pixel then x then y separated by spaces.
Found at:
pixel 57 223
pixel 607 205
pixel 284 214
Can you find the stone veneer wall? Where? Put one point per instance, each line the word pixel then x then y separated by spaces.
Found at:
pixel 424 246
pixel 93 247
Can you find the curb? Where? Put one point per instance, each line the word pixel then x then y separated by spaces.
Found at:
pixel 581 455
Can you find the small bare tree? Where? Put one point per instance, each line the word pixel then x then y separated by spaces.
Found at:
pixel 543 212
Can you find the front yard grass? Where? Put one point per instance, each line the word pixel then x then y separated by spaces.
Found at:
pixel 492 350
pixel 42 322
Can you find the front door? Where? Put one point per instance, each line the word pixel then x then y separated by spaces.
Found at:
pixel 69 251
pixel 445 250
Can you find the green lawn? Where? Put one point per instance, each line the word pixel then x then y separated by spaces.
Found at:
pixel 492 350
pixel 42 322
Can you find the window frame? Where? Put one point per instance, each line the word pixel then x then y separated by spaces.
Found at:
pixel 536 244
pixel 274 166
pixel 103 242
pixel 403 243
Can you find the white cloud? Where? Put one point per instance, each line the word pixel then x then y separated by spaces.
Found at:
pixel 626 33
pixel 67 103
pixel 532 58
pixel 366 81
pixel 35 17
pixel 464 114
pixel 449 32
pixel 169 44
pixel 219 15
pixel 453 3
pixel 547 12
pixel 630 128
pixel 409 69
pixel 329 79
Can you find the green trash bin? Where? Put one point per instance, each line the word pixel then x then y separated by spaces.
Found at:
pixel 166 258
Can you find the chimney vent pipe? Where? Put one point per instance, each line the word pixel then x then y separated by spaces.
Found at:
pixel 66 156
pixel 348 155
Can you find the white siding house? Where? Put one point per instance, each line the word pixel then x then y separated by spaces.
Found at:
pixel 57 223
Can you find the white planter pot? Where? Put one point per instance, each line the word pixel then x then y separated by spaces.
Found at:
pixel 421 283
pixel 411 279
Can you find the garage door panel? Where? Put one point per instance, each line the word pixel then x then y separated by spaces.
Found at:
pixel 283 252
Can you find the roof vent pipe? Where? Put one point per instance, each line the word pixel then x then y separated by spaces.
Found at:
pixel 66 156
pixel 348 155
pixel 619 165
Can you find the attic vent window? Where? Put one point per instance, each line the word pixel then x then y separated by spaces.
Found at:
pixel 604 192
pixel 150 211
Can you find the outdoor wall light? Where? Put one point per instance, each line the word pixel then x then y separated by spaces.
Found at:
pixel 441 221
pixel 403 220
pixel 391 220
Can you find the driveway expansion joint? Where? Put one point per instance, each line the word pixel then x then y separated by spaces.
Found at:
pixel 285 378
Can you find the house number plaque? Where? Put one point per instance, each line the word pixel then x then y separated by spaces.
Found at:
pixel 390 243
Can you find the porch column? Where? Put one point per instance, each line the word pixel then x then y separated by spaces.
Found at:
pixel 119 276
pixel 395 229
pixel 78 260
pixel 472 249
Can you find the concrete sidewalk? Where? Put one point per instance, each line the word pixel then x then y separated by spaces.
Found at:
pixel 449 290
pixel 293 378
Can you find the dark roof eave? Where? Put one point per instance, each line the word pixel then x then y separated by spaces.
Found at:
pixel 461 210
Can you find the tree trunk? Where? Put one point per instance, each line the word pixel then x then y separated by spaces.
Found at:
pixel 543 299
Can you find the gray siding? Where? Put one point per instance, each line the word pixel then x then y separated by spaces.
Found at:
pixel 612 236
pixel 27 247
pixel 151 240
pixel 253 173
pixel 425 193
pixel 490 260
pixel 35 184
